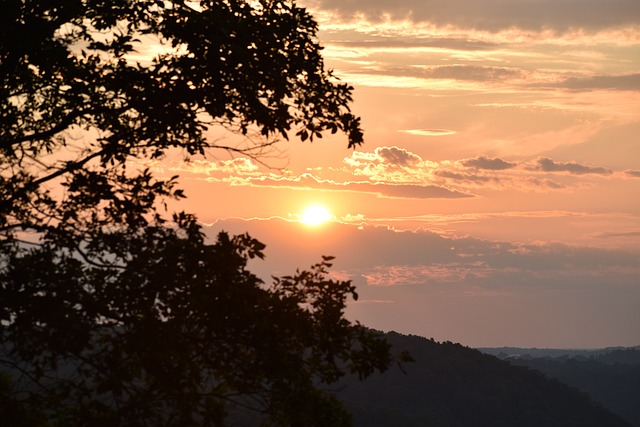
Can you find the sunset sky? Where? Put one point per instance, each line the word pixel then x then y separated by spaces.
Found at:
pixel 496 200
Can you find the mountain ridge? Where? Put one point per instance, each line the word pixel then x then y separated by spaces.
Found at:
pixel 450 385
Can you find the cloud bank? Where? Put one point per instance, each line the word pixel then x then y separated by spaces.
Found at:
pixel 547 165
pixel 398 173
pixel 475 291
pixel 495 15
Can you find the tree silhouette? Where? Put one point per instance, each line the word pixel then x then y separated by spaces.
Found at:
pixel 112 312
pixel 82 93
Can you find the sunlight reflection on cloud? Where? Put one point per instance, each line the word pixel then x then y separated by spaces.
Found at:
pixel 428 132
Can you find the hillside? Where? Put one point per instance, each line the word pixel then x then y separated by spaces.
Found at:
pixel 450 385
pixel 610 376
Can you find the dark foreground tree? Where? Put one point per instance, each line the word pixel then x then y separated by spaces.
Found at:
pixel 87 85
pixel 113 312
pixel 177 332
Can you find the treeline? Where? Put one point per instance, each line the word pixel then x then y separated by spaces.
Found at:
pixel 449 385
pixel 609 376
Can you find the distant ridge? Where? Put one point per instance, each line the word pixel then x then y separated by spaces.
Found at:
pixel 450 385
pixel 504 352
pixel 610 375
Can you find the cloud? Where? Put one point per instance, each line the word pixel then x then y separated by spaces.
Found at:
pixel 397 156
pixel 400 275
pixel 429 132
pixel 547 165
pixel 413 44
pixel 495 15
pixel 398 173
pixel 469 72
pixel 381 189
pixel 394 165
pixel 407 191
pixel 633 173
pixel 465 177
pixel 239 166
pixel 483 162
pixel 496 180
pixel 389 257
pixel 612 235
pixel 460 73
pixel 546 184
pixel 463 288
pixel 390 165
pixel 613 82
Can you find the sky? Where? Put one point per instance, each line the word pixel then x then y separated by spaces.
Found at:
pixel 496 200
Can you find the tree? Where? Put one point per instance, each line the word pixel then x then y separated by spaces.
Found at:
pixel 82 94
pixel 113 312
pixel 174 331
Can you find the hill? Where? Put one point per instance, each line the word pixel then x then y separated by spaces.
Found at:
pixel 450 385
pixel 630 355
pixel 610 376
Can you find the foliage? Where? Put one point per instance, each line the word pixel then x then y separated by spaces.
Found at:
pixel 87 86
pixel 455 386
pixel 13 412
pixel 111 311
pixel 173 331
pixel 612 377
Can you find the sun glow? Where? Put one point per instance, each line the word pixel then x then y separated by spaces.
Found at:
pixel 315 215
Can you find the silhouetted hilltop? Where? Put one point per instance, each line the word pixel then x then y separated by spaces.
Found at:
pixel 607 355
pixel 450 385
pixel 610 376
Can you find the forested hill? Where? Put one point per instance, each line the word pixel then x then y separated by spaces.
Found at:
pixel 610 376
pixel 450 385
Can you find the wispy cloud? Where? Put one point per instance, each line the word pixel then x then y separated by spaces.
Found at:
pixel 613 82
pixel 425 258
pixel 459 72
pixel 547 165
pixel 394 172
pixel 613 235
pixel 495 15
pixel 240 166
pixel 463 288
pixel 484 162
pixel 381 189
pixel 390 164
pixel 471 175
pixel 467 72
pixel 429 132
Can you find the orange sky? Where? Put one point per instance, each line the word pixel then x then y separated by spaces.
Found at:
pixel 496 200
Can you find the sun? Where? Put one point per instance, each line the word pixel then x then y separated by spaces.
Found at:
pixel 315 215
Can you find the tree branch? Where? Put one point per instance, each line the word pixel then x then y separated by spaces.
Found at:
pixel 62 125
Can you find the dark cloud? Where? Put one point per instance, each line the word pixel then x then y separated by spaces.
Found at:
pixel 408 191
pixel 465 177
pixel 496 15
pixel 403 191
pixel 633 173
pixel 483 162
pixel 547 165
pixel 472 72
pixel 619 82
pixel 366 247
pixel 547 183
pixel 397 156
pixel 630 235
pixel 437 281
pixel 502 182
pixel 413 43
pixel 453 72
